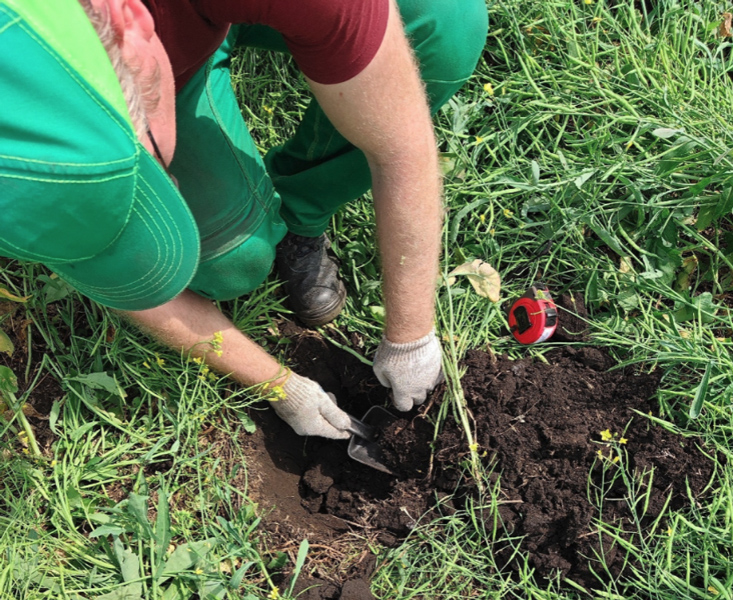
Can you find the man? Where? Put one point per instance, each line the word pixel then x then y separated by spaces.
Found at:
pixel 82 194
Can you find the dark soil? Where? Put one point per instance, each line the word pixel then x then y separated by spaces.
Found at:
pixel 46 389
pixel 538 424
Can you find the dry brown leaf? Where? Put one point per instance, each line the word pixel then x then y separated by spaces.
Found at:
pixel 483 277
pixel 725 26
pixel 30 411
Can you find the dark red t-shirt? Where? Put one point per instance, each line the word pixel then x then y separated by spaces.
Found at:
pixel 331 40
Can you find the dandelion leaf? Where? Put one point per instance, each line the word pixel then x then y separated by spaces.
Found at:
pixel 482 276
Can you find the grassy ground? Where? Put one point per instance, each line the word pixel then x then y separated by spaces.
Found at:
pixel 591 148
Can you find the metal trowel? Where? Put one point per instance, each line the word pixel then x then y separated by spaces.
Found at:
pixel 362 446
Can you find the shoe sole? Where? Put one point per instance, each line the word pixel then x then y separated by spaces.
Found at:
pixel 327 314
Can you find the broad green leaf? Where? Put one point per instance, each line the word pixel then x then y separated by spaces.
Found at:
pixel 238 576
pixel 666 132
pixel 6 345
pixel 177 590
pixel 55 289
pixel 628 300
pixel 299 562
pixel 162 529
pixel 700 394
pixel 247 423
pixel 130 571
pixel 535 173
pixel 53 416
pixel 214 590
pixel 702 305
pixel 82 430
pixel 583 177
pixel 278 562
pixel 378 313
pixel 105 530
pixel 610 239
pixel 100 381
pixel 186 556
pixel 131 591
pixel 8 382
pixel 137 506
pixel 718 207
pixel 482 276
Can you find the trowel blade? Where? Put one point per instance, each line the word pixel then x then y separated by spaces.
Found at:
pixel 362 446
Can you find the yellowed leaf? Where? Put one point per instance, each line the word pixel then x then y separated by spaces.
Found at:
pixel 689 264
pixel 725 26
pixel 6 345
pixel 6 294
pixel 482 276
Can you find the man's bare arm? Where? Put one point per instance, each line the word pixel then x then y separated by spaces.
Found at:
pixel 384 112
pixel 189 322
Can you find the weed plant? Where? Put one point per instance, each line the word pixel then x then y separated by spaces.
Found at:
pixel 592 150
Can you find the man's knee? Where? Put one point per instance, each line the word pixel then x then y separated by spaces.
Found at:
pixel 243 268
pixel 448 37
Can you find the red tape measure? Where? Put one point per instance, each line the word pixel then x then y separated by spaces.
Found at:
pixel 533 317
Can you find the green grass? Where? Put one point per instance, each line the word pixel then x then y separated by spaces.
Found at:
pixel 592 148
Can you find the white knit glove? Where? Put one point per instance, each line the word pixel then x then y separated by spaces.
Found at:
pixel 309 410
pixel 411 369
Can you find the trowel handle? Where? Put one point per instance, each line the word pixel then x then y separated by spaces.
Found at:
pixel 360 429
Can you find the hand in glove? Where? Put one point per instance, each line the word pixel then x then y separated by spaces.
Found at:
pixel 412 369
pixel 309 410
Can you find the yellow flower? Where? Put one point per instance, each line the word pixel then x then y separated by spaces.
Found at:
pixel 606 435
pixel 146 364
pixel 267 108
pixel 218 338
pixel 218 352
pixel 279 393
pixel 53 463
pixel 198 360
pixel 713 591
pixel 199 571
pixel 489 89
pixel 597 19
pixel 274 594
pixel 615 459
pixel 482 218
pixel 473 447
pixel 160 361
pixel 508 213
pixel 492 231
pixel 599 453
pixel 622 440
pixel 588 1
pixel 479 139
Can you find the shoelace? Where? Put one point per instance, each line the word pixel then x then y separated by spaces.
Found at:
pixel 303 246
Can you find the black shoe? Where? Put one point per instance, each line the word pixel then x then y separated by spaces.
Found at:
pixel 310 273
